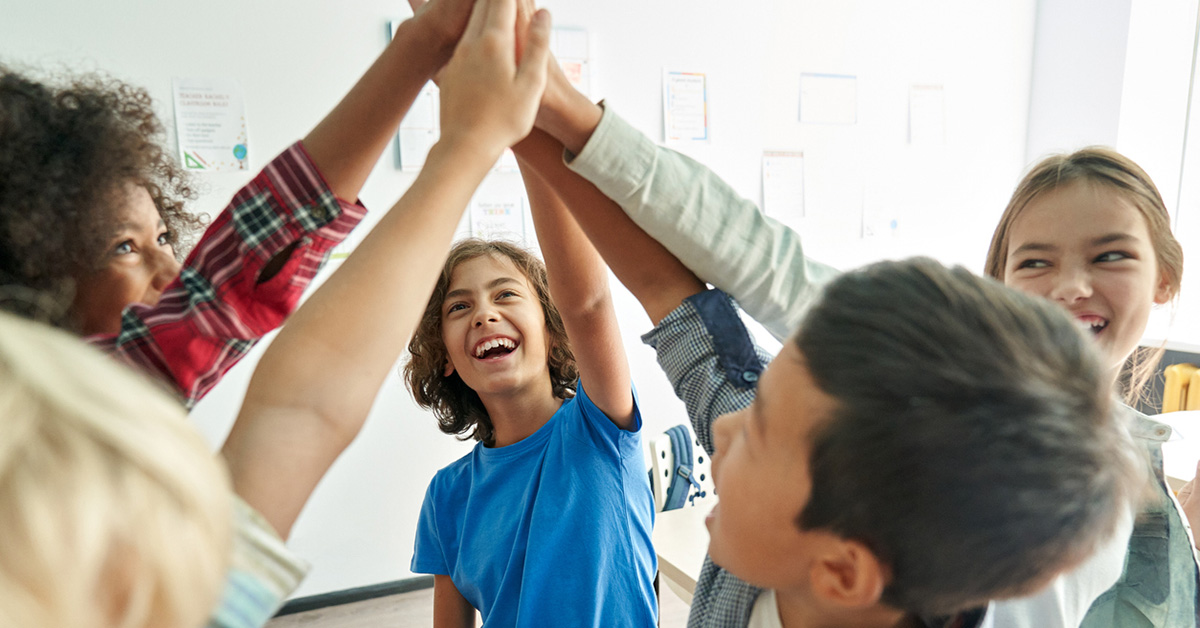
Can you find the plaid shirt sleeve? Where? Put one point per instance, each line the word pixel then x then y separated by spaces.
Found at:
pixel 214 312
pixel 713 366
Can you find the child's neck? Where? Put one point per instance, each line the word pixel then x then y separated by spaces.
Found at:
pixel 800 610
pixel 516 415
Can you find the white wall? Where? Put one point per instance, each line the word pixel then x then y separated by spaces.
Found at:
pixel 295 58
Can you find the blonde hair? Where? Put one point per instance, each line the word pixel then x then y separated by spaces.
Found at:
pixel 1107 167
pixel 113 511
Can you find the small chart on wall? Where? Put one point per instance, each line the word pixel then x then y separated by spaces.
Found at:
pixel 210 124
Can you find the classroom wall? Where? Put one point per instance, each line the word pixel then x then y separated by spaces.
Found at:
pixel 295 58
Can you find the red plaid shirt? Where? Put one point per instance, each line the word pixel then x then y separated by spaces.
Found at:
pixel 214 312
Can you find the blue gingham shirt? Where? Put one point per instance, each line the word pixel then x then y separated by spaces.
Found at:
pixel 713 365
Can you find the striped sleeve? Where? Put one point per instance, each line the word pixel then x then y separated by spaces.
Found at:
pixel 216 310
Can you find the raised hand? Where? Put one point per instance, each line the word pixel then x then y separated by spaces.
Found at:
pixel 444 19
pixel 489 97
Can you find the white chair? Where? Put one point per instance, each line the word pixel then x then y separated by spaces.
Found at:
pixel 662 465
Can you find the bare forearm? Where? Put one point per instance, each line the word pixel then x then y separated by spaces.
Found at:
pixel 577 275
pixel 658 280
pixel 347 143
pixel 315 385
pixel 378 284
pixel 567 115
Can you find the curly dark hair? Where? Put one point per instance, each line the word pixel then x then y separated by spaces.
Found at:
pixel 458 409
pixel 69 146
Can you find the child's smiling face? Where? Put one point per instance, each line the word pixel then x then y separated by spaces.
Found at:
pixel 494 328
pixel 761 475
pixel 1088 249
pixel 139 264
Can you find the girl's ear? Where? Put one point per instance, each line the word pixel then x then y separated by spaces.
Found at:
pixel 448 370
pixel 1163 292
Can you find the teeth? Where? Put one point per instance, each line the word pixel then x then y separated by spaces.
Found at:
pixel 493 343
pixel 1091 324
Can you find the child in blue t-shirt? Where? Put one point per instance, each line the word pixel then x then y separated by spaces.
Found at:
pixel 549 517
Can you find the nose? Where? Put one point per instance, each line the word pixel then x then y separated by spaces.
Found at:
pixel 164 269
pixel 485 314
pixel 1071 284
pixel 723 429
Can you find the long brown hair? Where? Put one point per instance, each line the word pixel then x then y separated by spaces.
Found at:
pixel 1107 167
pixel 458 409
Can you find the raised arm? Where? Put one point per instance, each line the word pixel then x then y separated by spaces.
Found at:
pixel 316 383
pixel 655 276
pixel 699 218
pixel 347 143
pixel 578 283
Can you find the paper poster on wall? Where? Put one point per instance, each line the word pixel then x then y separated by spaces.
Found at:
pixel 828 98
pixel 419 130
pixel 685 106
pixel 926 115
pixel 498 218
pixel 570 46
pixel 783 186
pixel 210 124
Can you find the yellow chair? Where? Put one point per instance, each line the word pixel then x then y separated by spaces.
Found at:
pixel 1179 379
pixel 1193 398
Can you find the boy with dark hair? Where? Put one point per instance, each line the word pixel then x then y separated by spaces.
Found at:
pixel 926 442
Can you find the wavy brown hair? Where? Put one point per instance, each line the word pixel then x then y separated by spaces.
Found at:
pixel 458 409
pixel 68 147
pixel 1107 167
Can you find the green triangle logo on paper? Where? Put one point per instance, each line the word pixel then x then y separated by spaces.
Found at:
pixel 190 162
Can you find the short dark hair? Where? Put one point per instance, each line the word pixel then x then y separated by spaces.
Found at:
pixel 458 409
pixel 976 447
pixel 69 146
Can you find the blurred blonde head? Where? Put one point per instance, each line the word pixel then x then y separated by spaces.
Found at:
pixel 113 511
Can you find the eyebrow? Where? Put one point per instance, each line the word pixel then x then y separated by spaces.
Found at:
pixel 1100 241
pixel 129 226
pixel 492 284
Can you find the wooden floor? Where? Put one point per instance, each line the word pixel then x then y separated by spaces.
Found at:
pixel 416 609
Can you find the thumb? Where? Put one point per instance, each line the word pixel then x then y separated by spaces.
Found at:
pixel 531 73
pixel 416 5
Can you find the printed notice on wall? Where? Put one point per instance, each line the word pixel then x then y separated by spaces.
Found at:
pixel 926 115
pixel 570 47
pixel 498 218
pixel 685 106
pixel 783 186
pixel 210 124
pixel 828 99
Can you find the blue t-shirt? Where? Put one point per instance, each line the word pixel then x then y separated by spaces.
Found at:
pixel 552 530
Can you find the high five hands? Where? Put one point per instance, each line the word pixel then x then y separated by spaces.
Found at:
pixel 493 84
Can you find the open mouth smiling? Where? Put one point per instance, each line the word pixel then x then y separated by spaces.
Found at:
pixel 494 348
pixel 1093 324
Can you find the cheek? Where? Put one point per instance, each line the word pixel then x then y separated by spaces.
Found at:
pixel 1036 286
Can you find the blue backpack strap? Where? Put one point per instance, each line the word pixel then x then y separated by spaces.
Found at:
pixel 681 479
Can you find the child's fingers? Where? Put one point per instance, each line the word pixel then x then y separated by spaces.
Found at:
pixel 501 15
pixel 416 5
pixel 531 73
pixel 525 11
pixel 476 22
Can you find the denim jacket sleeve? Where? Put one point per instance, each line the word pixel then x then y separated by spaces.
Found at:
pixel 1158 587
pixel 701 220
